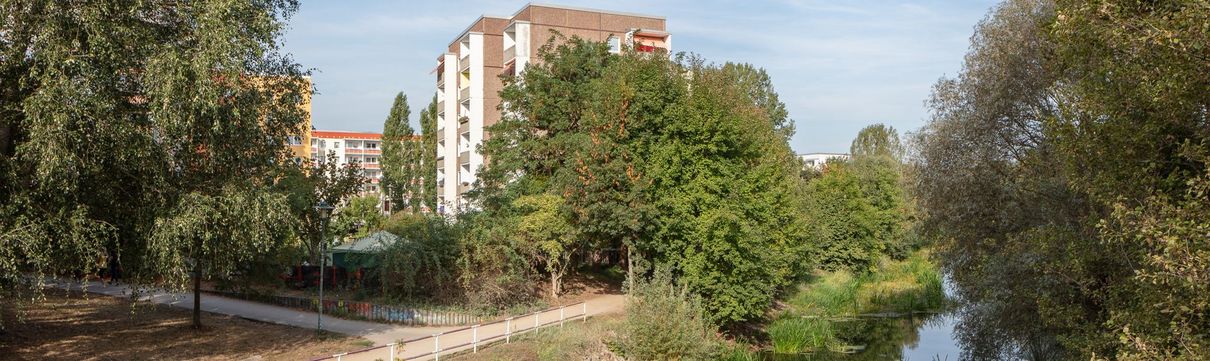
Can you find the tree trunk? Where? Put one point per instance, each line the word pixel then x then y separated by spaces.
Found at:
pixel 554 285
pixel 629 268
pixel 197 291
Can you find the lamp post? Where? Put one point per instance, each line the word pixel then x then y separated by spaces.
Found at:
pixel 325 213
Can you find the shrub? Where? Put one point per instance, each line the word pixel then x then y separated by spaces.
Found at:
pixel 423 264
pixel 664 322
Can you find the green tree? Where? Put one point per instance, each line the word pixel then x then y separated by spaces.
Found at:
pixel 400 158
pixel 1071 143
pixel 258 219
pixel 123 115
pixel 314 182
pixel 686 172
pixel 877 141
pixel 428 157
pixel 358 217
pixel 550 238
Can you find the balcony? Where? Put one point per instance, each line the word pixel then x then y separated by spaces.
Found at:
pixel 440 82
pixel 440 107
pixel 464 64
pixel 464 94
pixel 510 54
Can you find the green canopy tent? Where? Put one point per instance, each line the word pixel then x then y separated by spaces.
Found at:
pixel 361 252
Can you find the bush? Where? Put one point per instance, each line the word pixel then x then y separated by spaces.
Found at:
pixel 664 322
pixel 492 270
pixel 423 264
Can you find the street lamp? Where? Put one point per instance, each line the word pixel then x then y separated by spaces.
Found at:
pixel 325 213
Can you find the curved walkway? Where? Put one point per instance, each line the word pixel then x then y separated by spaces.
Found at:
pixel 379 333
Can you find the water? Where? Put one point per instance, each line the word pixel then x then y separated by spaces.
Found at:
pixel 918 337
pixel 921 337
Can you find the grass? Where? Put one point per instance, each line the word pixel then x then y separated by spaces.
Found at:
pixel 573 341
pixel 798 334
pixel 910 285
pixel 905 286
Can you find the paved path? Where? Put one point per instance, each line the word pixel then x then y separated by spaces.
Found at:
pixel 379 333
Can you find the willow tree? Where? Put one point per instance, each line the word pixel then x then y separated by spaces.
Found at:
pixel 124 115
pixel 1064 170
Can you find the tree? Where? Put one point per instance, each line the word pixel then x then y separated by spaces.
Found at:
pixel 877 141
pixel 358 217
pixel 550 238
pixel 258 219
pixel 1071 143
pixel 318 181
pixel 428 157
pixel 727 198
pixel 687 172
pixel 399 156
pixel 126 114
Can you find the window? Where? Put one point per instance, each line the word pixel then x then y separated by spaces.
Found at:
pixel 294 140
pixel 335 144
pixel 615 44
pixel 371 145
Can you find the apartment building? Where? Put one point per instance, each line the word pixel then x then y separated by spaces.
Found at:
pixel 362 147
pixel 468 76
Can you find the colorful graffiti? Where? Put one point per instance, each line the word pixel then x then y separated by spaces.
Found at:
pixel 365 310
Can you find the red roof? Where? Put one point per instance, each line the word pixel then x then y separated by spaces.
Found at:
pixel 341 134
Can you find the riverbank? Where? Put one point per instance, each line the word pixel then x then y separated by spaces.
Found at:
pixel 820 311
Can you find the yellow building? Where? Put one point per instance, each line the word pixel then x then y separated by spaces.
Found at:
pixel 300 143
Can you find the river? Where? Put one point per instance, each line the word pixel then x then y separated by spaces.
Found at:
pixel 917 337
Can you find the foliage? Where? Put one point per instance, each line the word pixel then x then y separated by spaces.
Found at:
pixel 492 270
pixel 895 286
pixel 665 322
pixel 859 206
pixel 795 335
pixel 423 264
pixel 401 167
pixel 121 113
pixel 198 235
pixel 358 217
pixel 845 233
pixel 428 157
pixel 1070 120
pixel 546 235
pixel 687 172
pixel 314 182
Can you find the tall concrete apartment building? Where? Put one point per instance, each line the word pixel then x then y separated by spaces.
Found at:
pixel 468 76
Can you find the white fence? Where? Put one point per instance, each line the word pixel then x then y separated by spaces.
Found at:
pixel 467 338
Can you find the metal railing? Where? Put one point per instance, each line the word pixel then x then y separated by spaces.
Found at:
pixel 470 338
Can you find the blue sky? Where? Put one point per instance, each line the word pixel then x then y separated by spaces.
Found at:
pixel 838 65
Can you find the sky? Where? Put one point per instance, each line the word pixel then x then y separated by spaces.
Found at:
pixel 837 65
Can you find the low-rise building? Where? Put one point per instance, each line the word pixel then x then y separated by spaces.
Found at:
pixel 817 160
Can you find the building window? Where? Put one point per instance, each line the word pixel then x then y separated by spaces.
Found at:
pixel 615 44
pixel 371 145
pixel 335 144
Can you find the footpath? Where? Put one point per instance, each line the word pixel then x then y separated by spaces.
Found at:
pixel 379 333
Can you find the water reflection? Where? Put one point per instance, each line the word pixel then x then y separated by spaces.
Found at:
pixel 925 337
